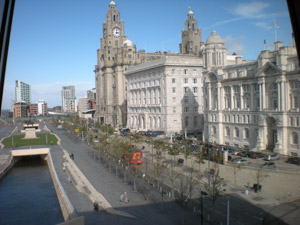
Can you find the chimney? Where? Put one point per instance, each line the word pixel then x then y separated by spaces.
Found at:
pixel 278 44
pixel 238 60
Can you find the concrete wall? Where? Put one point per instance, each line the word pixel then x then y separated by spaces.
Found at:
pixel 7 167
pixel 66 206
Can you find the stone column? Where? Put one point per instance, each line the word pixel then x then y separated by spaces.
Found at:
pixel 241 97
pixel 264 95
pixel 209 97
pixel 260 97
pixel 232 100
pixel 252 94
pixel 279 98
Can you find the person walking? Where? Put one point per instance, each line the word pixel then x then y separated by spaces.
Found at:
pixel 96 206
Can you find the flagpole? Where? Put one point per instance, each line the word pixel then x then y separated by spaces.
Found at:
pixel 275 27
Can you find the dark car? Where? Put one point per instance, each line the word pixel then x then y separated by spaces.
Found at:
pixel 294 160
pixel 243 154
pixel 269 165
pixel 259 155
pixel 251 155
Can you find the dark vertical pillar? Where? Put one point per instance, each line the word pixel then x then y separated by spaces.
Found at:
pixel 6 13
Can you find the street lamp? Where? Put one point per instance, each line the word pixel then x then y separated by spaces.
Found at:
pixel 152 147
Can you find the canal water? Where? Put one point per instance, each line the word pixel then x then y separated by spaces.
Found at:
pixel 27 195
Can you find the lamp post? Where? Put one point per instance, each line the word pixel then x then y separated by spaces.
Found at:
pixel 227 221
pixel 152 147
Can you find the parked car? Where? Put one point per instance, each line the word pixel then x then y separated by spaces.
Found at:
pixel 240 161
pixel 242 154
pixel 294 160
pixel 272 157
pixel 269 165
pixel 259 155
pixel 251 155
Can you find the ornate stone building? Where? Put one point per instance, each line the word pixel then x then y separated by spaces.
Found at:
pixel 166 95
pixel 252 104
pixel 113 58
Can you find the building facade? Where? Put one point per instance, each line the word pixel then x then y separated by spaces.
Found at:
pixel 166 94
pixel 113 58
pixel 69 103
pixel 252 104
pixel 20 109
pixel 82 106
pixel 23 92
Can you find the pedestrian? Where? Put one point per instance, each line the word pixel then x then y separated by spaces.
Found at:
pixel 125 197
pixel 96 206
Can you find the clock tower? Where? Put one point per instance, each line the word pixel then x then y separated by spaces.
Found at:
pixel 191 41
pixel 113 58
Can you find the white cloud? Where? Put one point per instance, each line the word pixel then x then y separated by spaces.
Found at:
pixel 251 10
pixel 263 25
pixel 219 23
pixel 234 44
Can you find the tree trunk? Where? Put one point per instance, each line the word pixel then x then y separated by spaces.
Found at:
pixel 134 185
pixel 116 170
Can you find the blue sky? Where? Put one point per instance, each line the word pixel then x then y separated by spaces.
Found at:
pixel 54 42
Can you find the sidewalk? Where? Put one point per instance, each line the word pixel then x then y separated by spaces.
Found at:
pixel 274 188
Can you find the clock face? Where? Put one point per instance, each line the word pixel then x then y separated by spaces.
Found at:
pixel 116 32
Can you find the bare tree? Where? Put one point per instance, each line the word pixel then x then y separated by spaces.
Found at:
pixel 135 170
pixel 236 168
pixel 192 179
pixel 260 175
pixel 214 187
pixel 199 156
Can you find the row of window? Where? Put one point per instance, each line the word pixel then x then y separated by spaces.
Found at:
pixel 150 110
pixel 186 71
pixel 186 80
pixel 236 132
pixel 294 121
pixel 186 90
pixel 145 84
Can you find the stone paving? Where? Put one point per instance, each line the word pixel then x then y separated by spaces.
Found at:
pixel 111 187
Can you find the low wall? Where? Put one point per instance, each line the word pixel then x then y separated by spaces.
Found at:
pixel 9 165
pixel 66 206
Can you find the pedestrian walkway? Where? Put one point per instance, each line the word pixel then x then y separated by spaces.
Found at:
pixel 110 186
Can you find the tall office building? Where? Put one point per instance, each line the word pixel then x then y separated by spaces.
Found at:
pixel 23 92
pixel 68 99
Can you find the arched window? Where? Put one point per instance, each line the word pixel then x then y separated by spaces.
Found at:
pixel 214 130
pixel 150 121
pixel 195 121
pixel 237 132
pixel 227 131
pixel 186 121
pixel 295 138
pixel 246 133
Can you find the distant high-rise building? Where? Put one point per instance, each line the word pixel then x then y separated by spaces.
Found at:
pixel 82 106
pixel 23 92
pixel 91 94
pixel 68 99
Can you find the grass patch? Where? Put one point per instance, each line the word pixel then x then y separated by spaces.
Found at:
pixel 18 140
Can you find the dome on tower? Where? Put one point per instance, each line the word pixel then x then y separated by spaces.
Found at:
pixel 127 43
pixel 214 38
pixel 112 3
pixel 191 12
